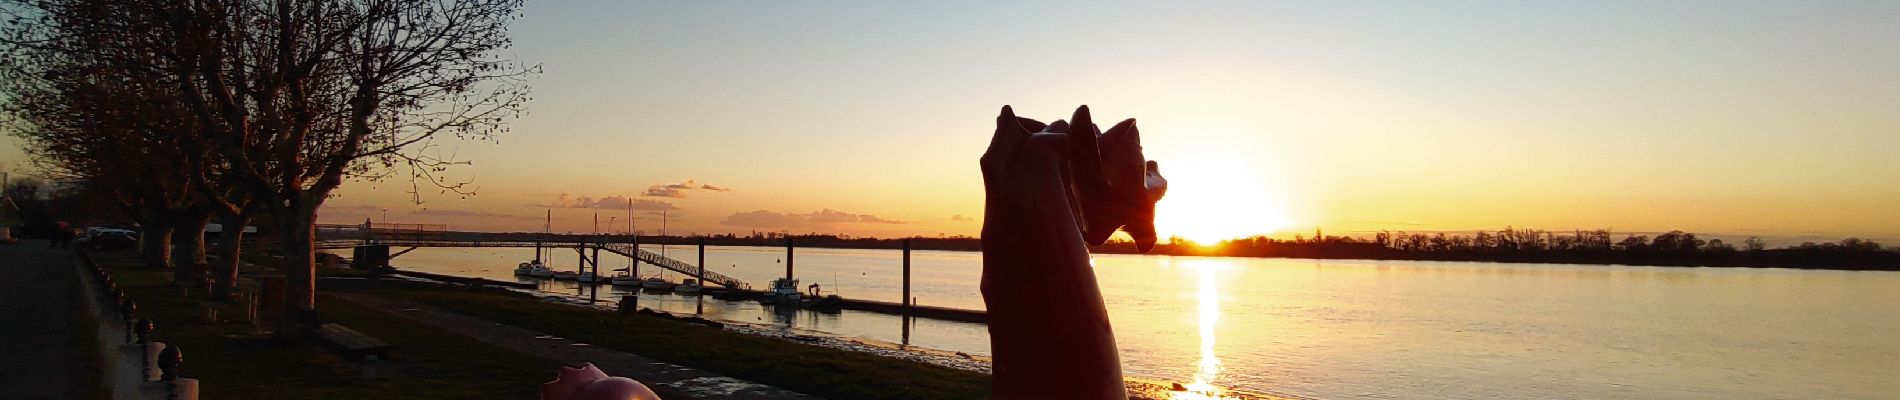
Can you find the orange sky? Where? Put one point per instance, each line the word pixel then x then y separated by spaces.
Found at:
pixel 1773 119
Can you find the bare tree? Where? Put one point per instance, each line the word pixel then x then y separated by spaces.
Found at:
pixel 89 101
pixel 301 96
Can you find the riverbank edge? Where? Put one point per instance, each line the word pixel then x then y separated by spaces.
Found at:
pixel 1139 387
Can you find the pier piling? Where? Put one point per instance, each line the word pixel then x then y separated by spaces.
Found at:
pixel 906 298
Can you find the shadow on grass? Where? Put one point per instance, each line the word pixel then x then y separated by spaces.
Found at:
pixel 238 360
pixel 804 368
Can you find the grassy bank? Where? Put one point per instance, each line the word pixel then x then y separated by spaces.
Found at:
pixel 236 361
pixel 809 369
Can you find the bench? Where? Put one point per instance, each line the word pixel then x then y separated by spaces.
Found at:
pixel 353 344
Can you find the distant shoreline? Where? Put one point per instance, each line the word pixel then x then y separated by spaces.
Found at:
pixel 1814 258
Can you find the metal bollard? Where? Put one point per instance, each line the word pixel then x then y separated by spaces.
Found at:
pixel 168 362
pixel 126 307
pixel 142 331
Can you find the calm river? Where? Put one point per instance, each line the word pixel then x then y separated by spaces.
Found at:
pixel 1345 329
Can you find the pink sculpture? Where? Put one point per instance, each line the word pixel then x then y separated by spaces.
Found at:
pixel 589 383
pixel 1051 190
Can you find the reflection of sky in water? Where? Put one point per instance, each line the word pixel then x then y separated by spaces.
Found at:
pixel 1376 329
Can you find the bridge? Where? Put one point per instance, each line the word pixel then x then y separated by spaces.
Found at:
pixel 413 236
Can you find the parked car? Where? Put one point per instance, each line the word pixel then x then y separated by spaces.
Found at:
pixel 93 232
pixel 111 239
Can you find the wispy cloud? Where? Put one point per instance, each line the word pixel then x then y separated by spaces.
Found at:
pixel 662 191
pixel 351 209
pixel 823 217
pixel 961 218
pixel 466 214
pixel 609 203
pixel 678 190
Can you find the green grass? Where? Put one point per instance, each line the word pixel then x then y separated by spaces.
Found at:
pixel 809 369
pixel 234 362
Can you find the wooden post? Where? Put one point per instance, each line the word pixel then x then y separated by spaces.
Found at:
pixel 905 319
pixel 593 296
pixel 634 271
pixel 702 261
pixel 788 257
pixel 906 300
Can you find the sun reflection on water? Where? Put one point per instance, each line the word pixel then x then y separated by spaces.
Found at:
pixel 1209 367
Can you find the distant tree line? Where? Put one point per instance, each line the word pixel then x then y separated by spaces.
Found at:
pixel 1674 248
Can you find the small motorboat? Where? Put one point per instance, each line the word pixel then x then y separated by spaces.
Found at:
pixel 689 286
pixel 655 283
pixel 566 275
pixel 586 277
pixel 784 291
pixel 625 279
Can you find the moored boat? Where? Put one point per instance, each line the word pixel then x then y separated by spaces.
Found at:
pixel 784 291
pixel 533 269
pixel 655 283
pixel 689 286
pixel 624 278
pixel 566 275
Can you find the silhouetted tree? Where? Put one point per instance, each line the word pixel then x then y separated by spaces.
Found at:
pixel 300 96
pixel 92 105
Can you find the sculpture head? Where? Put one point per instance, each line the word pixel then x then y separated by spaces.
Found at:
pixel 1111 184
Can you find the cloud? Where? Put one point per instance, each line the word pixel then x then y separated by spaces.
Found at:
pixel 823 217
pixel 465 214
pixel 761 219
pixel 609 203
pixel 351 209
pixel 678 190
pixel 663 191
pixel 961 218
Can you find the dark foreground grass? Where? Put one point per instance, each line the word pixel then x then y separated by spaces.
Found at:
pixel 235 361
pixel 809 369
pixel 89 365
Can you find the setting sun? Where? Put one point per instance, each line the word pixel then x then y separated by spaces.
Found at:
pixel 1218 197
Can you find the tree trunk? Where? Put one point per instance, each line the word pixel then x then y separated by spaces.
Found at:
pixel 190 261
pixel 300 268
pixel 230 247
pixel 155 244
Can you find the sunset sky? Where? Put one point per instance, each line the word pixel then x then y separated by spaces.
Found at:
pixel 866 118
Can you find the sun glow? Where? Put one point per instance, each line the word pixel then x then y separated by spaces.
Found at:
pixel 1215 197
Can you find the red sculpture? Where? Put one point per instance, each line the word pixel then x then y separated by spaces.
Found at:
pixel 1051 190
pixel 590 383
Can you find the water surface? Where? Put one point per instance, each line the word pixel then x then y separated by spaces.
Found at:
pixel 1346 329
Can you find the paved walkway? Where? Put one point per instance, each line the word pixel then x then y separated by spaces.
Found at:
pixel 697 384
pixel 38 304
